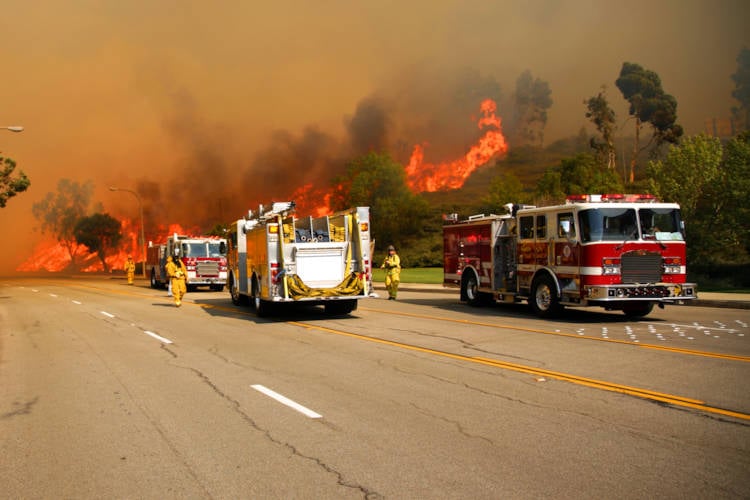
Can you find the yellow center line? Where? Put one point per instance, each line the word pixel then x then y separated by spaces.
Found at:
pixel 575 379
pixel 671 399
pixel 677 350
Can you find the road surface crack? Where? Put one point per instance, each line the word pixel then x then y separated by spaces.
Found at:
pixel 340 480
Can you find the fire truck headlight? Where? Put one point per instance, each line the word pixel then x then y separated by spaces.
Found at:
pixel 672 269
pixel 611 270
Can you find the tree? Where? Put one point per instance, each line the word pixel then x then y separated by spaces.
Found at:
pixel 59 212
pixel 690 175
pixel 648 104
pixel 736 192
pixel 577 175
pixel 687 172
pixel 10 185
pixel 377 181
pixel 533 99
pixel 741 92
pixel 504 188
pixel 99 233
pixel 603 117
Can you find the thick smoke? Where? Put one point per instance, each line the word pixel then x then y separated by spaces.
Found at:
pixel 216 181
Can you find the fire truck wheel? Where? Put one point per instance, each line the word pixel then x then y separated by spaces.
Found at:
pixel 470 289
pixel 544 300
pixel 237 298
pixel 154 284
pixel 638 310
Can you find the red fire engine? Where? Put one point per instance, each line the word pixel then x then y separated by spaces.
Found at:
pixel 617 251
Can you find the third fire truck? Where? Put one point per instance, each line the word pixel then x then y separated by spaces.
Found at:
pixel 276 257
pixel 620 252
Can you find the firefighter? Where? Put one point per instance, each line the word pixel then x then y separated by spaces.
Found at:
pixel 392 266
pixel 130 269
pixel 177 273
pixel 169 265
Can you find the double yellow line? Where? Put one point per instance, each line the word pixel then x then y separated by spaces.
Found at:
pixel 588 382
pixel 670 399
pixel 676 350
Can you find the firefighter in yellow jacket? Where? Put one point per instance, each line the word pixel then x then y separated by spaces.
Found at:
pixel 177 273
pixel 130 269
pixel 392 266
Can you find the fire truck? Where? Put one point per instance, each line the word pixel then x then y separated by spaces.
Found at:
pixel 275 258
pixel 620 252
pixel 204 258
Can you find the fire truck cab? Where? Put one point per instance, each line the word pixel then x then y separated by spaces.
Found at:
pixel 204 258
pixel 619 252
pixel 275 257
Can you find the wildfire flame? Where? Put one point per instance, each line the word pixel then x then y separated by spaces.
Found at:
pixel 52 256
pixel 452 175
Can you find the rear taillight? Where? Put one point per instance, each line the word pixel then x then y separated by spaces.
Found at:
pixel 274 272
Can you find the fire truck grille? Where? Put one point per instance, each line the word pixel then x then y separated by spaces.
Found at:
pixel 641 267
pixel 207 268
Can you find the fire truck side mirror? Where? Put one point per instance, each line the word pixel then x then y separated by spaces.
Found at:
pixel 223 248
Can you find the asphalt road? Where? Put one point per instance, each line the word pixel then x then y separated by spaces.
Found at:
pixel 110 391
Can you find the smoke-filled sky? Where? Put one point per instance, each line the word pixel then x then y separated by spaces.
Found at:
pixel 209 108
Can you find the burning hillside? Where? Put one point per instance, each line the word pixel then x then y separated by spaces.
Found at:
pixel 430 177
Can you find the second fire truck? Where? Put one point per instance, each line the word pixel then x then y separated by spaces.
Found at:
pixel 276 257
pixel 204 258
pixel 619 252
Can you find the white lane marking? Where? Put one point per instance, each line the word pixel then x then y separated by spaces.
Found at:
pixel 286 401
pixel 107 314
pixel 52 295
pixel 76 302
pixel 157 337
pixel 34 290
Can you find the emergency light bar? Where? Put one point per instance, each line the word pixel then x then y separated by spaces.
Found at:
pixel 609 198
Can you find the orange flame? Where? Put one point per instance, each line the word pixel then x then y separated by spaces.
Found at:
pixel 452 175
pixel 52 256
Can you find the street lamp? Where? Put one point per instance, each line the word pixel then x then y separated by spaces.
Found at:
pixel 13 128
pixel 140 208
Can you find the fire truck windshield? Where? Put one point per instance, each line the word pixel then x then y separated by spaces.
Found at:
pixel 661 224
pixel 214 250
pixel 621 224
pixel 194 250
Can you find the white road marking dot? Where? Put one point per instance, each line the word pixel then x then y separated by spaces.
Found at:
pixel 286 401
pixel 157 337
pixel 107 314
pixel 76 302
pixel 52 295
pixel 691 338
pixel 34 290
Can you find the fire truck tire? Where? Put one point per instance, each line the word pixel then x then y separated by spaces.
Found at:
pixel 154 283
pixel 638 310
pixel 470 290
pixel 340 307
pixel 237 298
pixel 544 300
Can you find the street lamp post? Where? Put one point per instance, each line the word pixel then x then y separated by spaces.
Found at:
pixel 143 237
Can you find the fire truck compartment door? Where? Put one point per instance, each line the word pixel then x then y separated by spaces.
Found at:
pixel 321 265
